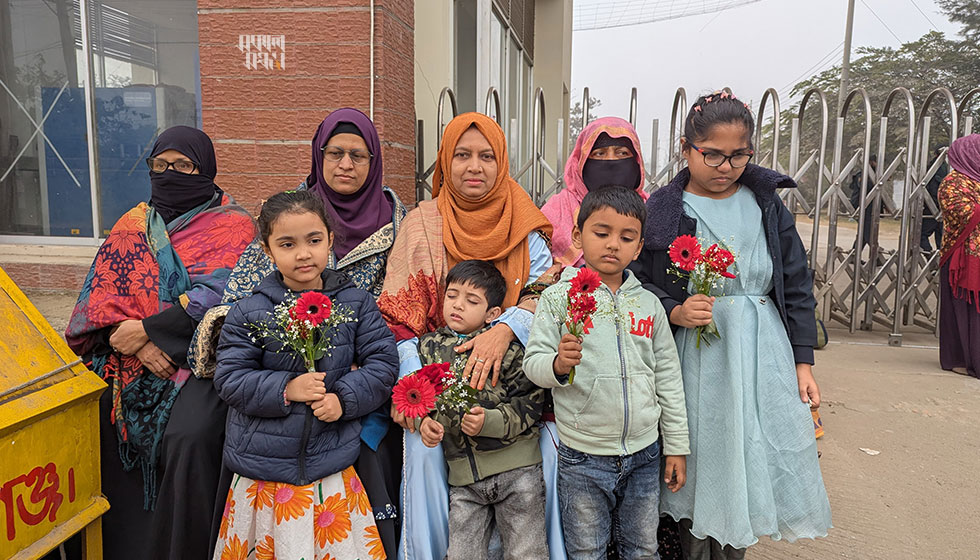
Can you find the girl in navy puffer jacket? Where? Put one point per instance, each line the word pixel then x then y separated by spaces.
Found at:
pixel 292 437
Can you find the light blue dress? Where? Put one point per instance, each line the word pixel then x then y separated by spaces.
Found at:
pixel 753 467
pixel 425 486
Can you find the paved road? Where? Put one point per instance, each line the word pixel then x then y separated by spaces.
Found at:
pixel 920 496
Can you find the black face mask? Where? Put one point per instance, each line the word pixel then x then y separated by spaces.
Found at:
pixel 173 193
pixel 600 172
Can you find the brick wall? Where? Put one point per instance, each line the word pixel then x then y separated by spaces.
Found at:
pixel 262 120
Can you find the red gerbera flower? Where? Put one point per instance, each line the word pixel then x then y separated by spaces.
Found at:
pixel 685 252
pixel 313 307
pixel 719 260
pixel 414 396
pixel 581 307
pixel 586 281
pixel 435 374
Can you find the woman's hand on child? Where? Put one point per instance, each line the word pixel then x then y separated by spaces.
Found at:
pixel 328 408
pixel 473 421
pixel 569 354
pixel 402 420
pixel 488 353
pixel 431 432
pixel 809 392
pixel 694 312
pixel 128 337
pixel 675 472
pixel 307 387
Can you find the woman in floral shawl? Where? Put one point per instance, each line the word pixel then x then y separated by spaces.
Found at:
pixel 607 152
pixel 478 212
pixel 959 273
pixel 163 265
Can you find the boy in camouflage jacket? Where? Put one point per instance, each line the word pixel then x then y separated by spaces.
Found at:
pixel 492 451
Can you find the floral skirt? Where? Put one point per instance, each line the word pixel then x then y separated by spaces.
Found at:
pixel 328 520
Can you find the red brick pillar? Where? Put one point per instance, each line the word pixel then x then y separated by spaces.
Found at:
pixel 262 115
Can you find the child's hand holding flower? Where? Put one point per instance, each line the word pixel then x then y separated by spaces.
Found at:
pixel 473 421
pixel 328 408
pixel 569 354
pixel 307 387
pixel 431 431
pixel 694 312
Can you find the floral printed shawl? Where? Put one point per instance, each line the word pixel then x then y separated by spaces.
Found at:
pixel 411 300
pixel 144 267
pixel 959 199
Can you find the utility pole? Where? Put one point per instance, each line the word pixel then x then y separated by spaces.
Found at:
pixel 846 65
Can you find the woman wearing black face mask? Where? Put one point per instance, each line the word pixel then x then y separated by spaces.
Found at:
pixel 607 152
pixel 163 265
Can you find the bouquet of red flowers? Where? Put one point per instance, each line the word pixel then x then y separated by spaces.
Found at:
pixel 580 303
pixel 302 324
pixel 704 269
pixel 434 387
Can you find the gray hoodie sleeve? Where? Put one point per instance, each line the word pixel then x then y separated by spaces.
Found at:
pixel 669 386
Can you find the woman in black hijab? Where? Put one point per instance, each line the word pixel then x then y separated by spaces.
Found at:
pixel 163 265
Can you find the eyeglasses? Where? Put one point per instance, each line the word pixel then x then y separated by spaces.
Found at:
pixel 714 159
pixel 336 155
pixel 158 165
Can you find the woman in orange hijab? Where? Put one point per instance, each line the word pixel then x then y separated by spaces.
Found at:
pixel 480 212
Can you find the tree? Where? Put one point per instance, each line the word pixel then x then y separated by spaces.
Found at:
pixel 575 124
pixel 966 12
pixel 934 60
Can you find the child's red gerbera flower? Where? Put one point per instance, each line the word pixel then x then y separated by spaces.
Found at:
pixel 414 396
pixel 586 281
pixel 435 374
pixel 581 307
pixel 685 252
pixel 313 307
pixel 719 260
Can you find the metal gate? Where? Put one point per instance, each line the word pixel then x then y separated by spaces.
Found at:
pixel 895 287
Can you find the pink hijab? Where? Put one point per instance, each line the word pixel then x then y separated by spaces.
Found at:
pixel 562 209
pixel 964 156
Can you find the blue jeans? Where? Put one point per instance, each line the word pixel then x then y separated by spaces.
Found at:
pixel 601 494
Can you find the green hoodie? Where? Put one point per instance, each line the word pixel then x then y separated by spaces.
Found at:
pixel 629 380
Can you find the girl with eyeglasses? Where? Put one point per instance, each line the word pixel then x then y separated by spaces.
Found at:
pixel 753 467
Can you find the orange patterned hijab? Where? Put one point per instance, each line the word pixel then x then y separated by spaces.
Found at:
pixel 495 227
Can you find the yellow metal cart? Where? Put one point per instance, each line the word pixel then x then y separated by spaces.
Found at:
pixel 49 436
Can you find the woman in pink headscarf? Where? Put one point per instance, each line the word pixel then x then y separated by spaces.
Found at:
pixel 959 273
pixel 607 152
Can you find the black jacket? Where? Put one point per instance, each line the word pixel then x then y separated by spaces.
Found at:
pixel 791 278
pixel 269 440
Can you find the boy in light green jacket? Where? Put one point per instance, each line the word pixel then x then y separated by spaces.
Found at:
pixel 627 388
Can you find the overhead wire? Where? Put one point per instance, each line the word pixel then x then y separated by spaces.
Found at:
pixel 816 68
pixel 604 14
pixel 924 15
pixel 875 14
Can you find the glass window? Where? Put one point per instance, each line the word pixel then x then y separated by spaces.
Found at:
pixel 516 137
pixel 526 105
pixel 147 78
pixel 498 60
pixel 467 97
pixel 44 169
pixel 141 50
